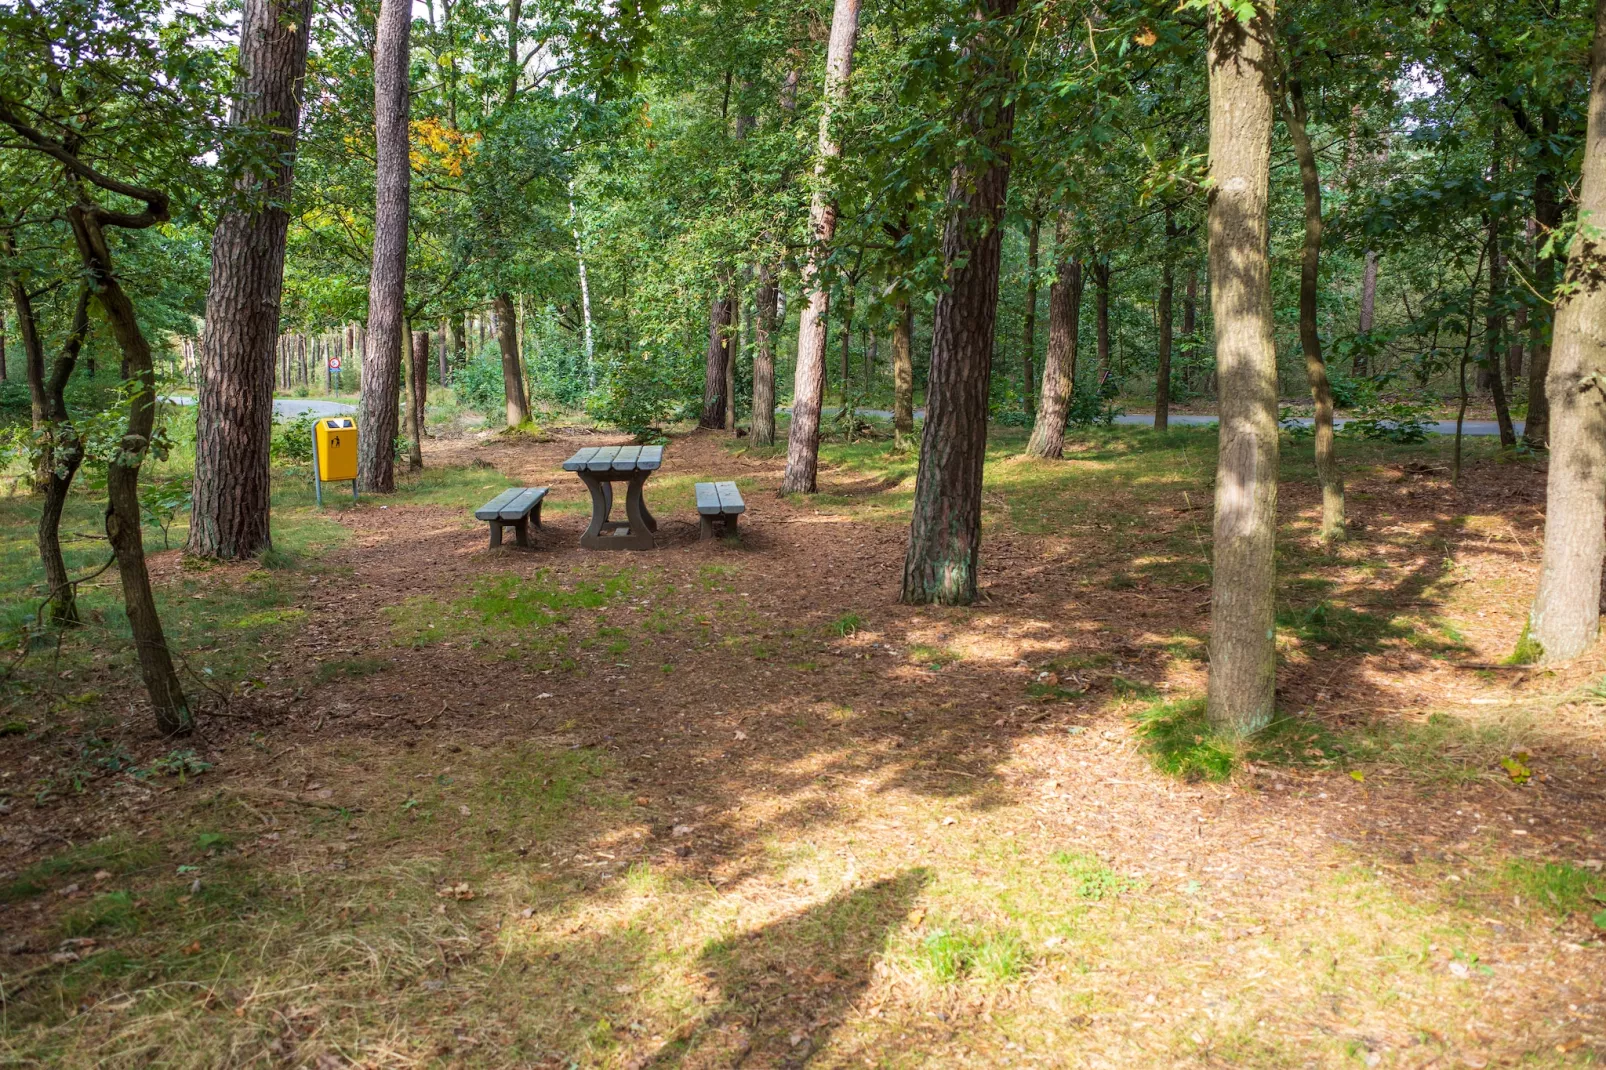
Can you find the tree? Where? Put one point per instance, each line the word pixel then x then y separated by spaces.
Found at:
pixel 1029 327
pixel 1242 625
pixel 381 369
pixel 507 338
pixel 766 300
pixel 1565 618
pixel 1310 265
pixel 721 324
pixel 1059 363
pixel 232 489
pixel 808 393
pixel 945 531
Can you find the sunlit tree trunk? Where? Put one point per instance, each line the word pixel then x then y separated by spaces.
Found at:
pixel 1059 363
pixel 945 531
pixel 507 338
pixel 1029 328
pixel 903 365
pixel 1565 619
pixel 808 392
pixel 381 372
pixel 1242 628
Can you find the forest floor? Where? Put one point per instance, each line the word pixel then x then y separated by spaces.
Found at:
pixel 728 803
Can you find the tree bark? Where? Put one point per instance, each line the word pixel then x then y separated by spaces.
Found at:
pixel 733 351
pixel 381 372
pixel 1310 340
pixel 1029 328
pixel 1565 619
pixel 507 338
pixel 1190 322
pixel 1494 329
pixel 418 393
pixel 764 359
pixel 1242 626
pixel 945 532
pixel 808 392
pixel 122 475
pixel 1359 365
pixel 903 366
pixel 1101 301
pixel 1547 211
pixel 61 450
pixel 415 415
pixel 1168 286
pixel 716 367
pixel 1059 363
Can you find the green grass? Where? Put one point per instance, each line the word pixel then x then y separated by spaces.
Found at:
pixel 1557 888
pixel 1091 879
pixel 847 624
pixel 117 855
pixel 1181 742
pixel 499 606
pixel 948 955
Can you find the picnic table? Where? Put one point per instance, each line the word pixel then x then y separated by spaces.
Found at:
pixel 599 468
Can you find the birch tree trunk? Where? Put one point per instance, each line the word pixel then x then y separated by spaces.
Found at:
pixel 941 563
pixel 1565 619
pixel 381 371
pixel 1243 659
pixel 808 392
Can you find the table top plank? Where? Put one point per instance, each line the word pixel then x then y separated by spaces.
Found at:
pixel 493 508
pixel 650 459
pixel 730 499
pixel 625 460
pixel 602 460
pixel 580 459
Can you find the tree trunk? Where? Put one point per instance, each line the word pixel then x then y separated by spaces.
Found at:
pixel 1359 365
pixel 61 450
pixel 381 372
pixel 1101 300
pixel 847 339
pixel 945 531
pixel 1565 619
pixel 764 360
pixel 518 402
pixel 457 340
pixel 1029 329
pixel 903 366
pixel 1547 210
pixel 871 347
pixel 1190 323
pixel 1310 340
pixel 733 351
pixel 122 477
pixel 808 392
pixel 1162 311
pixel 1243 648
pixel 1059 363
pixel 721 314
pixel 418 398
pixel 1494 329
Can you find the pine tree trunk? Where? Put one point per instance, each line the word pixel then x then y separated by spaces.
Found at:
pixel 945 532
pixel 1243 659
pixel 1190 324
pixel 847 339
pixel 518 401
pixel 1310 340
pixel 1565 619
pixel 808 392
pixel 903 366
pixel 1359 366
pixel 418 398
pixel 380 419
pixel 764 359
pixel 733 355
pixel 716 366
pixel 1059 363
pixel 122 478
pixel 1494 329
pixel 1029 328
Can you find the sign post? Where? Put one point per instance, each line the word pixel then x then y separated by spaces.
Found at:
pixel 334 370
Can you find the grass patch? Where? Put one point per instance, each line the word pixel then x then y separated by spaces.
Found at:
pixel 1181 742
pixel 847 624
pixel 113 912
pixel 932 657
pixel 1528 650
pixel 1558 888
pixel 531 607
pixel 947 955
pixel 1337 627
pixel 116 855
pixel 1091 879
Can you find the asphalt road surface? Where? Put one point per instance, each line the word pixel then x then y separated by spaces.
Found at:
pixel 287 408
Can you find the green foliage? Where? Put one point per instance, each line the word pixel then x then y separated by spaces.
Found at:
pixel 950 954
pixel 292 440
pixel 1093 404
pixel 1402 422
pixel 1528 651
pixel 1091 879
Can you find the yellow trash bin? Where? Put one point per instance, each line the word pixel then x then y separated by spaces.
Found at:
pixel 334 452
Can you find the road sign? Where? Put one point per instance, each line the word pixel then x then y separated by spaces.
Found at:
pixel 334 364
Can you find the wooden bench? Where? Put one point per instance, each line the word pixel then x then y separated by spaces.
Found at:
pixel 720 502
pixel 514 506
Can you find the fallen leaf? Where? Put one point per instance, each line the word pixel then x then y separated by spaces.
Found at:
pixel 1357 776
pixel 456 891
pixel 192 948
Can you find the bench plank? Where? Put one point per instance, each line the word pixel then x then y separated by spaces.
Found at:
pixel 580 459
pixel 708 500
pixel 650 459
pixel 730 499
pixel 519 508
pixel 492 509
pixel 602 460
pixel 625 459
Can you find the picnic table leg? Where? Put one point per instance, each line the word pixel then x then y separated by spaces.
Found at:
pixel 601 502
pixel 641 527
pixel 646 514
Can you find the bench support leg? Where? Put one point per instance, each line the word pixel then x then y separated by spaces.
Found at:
pixel 496 534
pixel 536 515
pixel 705 525
pixel 521 533
pixel 730 523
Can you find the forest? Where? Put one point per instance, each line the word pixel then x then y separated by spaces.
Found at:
pixel 1168 441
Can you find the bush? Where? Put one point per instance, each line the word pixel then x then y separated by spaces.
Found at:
pixel 1093 404
pixel 291 441
pixel 1402 422
pixel 478 384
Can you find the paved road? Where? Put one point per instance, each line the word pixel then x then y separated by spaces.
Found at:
pixel 285 408
pixel 1482 428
